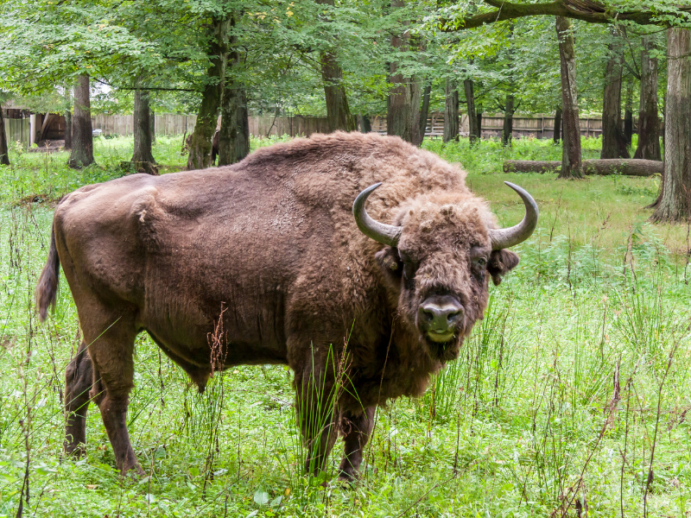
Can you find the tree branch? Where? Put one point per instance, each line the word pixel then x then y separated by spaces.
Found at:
pixel 585 10
pixel 150 88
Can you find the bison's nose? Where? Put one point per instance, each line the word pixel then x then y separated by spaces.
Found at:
pixel 440 317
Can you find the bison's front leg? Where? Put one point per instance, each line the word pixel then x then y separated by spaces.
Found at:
pixel 78 381
pixel 318 418
pixel 356 432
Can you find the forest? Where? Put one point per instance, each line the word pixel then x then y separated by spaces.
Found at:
pixel 570 398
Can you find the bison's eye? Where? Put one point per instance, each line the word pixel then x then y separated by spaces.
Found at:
pixel 409 266
pixel 479 265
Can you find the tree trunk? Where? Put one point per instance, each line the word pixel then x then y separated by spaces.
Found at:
pixel 648 120
pixel 613 141
pixel 68 130
pixel 625 166
pixel 628 114
pixel 142 158
pixel 478 118
pixel 234 142
pixel 4 155
pixel 337 111
pixel 403 112
pixel 572 166
pixel 233 137
pixel 205 127
pixel 415 99
pixel 424 111
pixel 557 126
pixel 473 130
pixel 507 130
pixel 152 119
pixel 675 202
pixel 68 119
pixel 403 115
pixel 365 124
pixel 451 111
pixel 82 154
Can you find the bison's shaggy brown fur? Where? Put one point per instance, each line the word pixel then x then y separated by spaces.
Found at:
pixel 274 240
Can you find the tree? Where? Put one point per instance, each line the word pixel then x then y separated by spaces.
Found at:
pixel 613 140
pixel 4 155
pixel 675 200
pixel 403 105
pixel 207 116
pixel 143 157
pixel 337 110
pixel 557 125
pixel 572 166
pixel 68 119
pixel 424 111
pixel 234 135
pixel 451 111
pixel 82 154
pixel 473 119
pixel 648 119
pixel 507 129
pixel 628 114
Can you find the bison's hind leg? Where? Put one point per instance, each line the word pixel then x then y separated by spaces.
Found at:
pixel 78 382
pixel 111 349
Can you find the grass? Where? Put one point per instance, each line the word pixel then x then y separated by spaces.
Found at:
pixel 573 393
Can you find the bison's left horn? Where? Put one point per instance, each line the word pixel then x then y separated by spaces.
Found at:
pixel 387 234
pixel 508 237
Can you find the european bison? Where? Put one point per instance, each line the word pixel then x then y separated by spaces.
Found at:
pixel 373 304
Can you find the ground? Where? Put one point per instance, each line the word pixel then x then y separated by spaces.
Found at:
pixel 572 394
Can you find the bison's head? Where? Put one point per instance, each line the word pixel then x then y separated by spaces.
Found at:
pixel 439 256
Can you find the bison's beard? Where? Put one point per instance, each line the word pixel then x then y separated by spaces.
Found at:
pixel 445 351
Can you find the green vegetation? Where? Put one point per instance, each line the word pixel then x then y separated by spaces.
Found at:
pixel 574 386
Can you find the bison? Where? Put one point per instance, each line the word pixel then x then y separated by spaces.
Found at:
pixel 302 262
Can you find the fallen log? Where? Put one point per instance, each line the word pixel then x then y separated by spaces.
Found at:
pixel 627 167
pixel 530 166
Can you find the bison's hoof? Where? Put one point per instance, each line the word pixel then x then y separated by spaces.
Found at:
pixel 75 449
pixel 348 476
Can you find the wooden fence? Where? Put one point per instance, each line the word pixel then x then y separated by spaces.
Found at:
pixel 18 130
pixel 536 127
pixel 267 125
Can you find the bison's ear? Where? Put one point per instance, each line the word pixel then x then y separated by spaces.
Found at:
pixel 500 263
pixel 390 262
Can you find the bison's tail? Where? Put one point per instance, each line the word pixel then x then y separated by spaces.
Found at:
pixel 47 288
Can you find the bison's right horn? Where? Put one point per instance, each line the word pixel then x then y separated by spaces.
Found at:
pixel 508 237
pixel 387 234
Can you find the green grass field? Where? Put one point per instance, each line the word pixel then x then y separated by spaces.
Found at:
pixel 572 394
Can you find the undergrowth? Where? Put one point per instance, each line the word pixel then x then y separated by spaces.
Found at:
pixel 572 395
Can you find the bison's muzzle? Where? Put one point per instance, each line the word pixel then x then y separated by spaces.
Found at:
pixel 439 317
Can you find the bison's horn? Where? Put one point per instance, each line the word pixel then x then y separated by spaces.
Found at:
pixel 508 237
pixel 387 234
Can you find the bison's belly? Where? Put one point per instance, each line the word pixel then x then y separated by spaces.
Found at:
pixel 215 351
pixel 201 332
